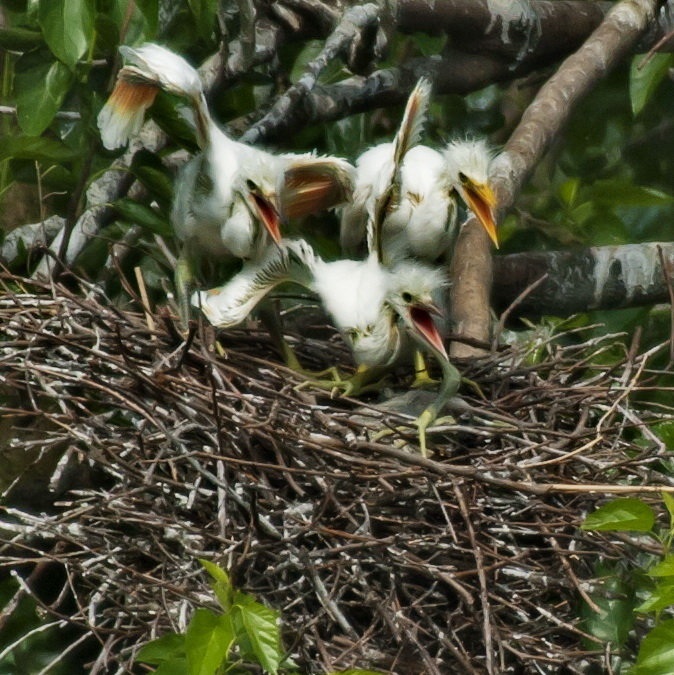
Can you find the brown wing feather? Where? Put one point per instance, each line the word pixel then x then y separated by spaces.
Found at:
pixel 312 186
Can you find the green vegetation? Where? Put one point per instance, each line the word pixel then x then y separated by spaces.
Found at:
pixel 623 594
pixel 243 632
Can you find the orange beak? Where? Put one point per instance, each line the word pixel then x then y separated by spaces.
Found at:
pixel 481 200
pixel 267 213
pixel 422 320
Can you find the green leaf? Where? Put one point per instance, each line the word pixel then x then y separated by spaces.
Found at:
pixel 260 625
pixel 568 191
pixel 208 639
pixel 661 597
pixel 621 515
pixel 615 618
pixel 665 568
pixel 203 12
pixel 618 192
pixel 143 215
pixel 150 11
pixel 357 671
pixel 40 92
pixel 35 148
pixel 169 646
pixel 176 666
pixel 429 45
pixel 68 28
pixel 665 432
pixel 645 80
pixel 150 171
pixel 656 652
pixel 310 50
pixel 221 584
pixel 19 39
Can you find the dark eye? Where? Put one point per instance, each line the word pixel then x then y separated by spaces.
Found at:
pixel 250 185
pixel 462 177
pixel 407 297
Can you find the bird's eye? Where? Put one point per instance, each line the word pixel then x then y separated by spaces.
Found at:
pixel 407 297
pixel 250 185
pixel 462 177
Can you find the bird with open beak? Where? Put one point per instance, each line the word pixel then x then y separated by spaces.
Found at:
pixel 467 164
pixel 230 199
pixel 377 309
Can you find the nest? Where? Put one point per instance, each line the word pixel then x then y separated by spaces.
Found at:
pixel 143 452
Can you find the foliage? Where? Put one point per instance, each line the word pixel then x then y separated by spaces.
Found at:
pixel 29 642
pixel 623 594
pixel 244 632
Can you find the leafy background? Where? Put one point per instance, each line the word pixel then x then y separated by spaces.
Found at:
pixel 608 180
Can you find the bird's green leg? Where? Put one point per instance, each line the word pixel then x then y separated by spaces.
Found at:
pixel 184 283
pixel 422 378
pixel 270 317
pixel 363 380
pixel 451 380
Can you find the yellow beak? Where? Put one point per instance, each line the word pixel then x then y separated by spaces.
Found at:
pixel 481 200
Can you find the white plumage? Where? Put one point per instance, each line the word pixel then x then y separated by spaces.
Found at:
pixel 230 199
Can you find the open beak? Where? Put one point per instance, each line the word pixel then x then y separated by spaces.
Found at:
pixel 422 321
pixel 481 201
pixel 267 213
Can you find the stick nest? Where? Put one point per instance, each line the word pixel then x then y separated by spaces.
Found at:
pixel 135 453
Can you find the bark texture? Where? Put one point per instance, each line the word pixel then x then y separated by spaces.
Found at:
pixel 603 277
pixel 543 120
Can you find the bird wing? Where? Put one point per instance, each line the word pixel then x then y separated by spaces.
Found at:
pixel 230 304
pixel 409 133
pixel 310 184
pixel 148 69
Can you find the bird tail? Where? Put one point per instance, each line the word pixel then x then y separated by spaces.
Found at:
pixel 147 70
pixel 229 305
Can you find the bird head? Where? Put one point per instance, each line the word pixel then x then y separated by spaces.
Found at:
pixel 263 206
pixel 411 297
pixel 468 164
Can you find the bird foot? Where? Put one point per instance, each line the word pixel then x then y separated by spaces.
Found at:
pixel 422 424
pixel 354 385
pixel 422 380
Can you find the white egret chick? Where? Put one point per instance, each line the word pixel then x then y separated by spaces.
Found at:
pixel 229 199
pixel 467 167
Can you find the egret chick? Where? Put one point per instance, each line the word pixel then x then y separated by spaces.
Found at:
pixel 229 199
pixel 467 172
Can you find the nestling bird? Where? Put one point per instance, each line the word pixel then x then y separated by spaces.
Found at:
pixel 376 309
pixel 229 200
pixel 417 189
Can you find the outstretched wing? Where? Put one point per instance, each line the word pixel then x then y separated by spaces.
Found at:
pixel 311 184
pixel 148 69
pixel 229 305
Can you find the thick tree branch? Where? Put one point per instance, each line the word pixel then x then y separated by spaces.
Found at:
pixel 355 22
pixel 603 277
pixel 617 35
